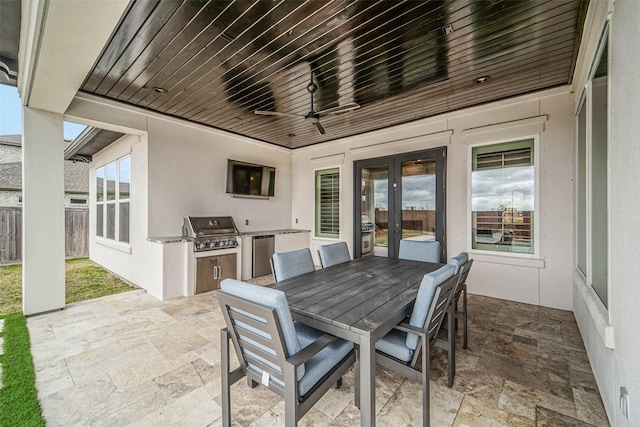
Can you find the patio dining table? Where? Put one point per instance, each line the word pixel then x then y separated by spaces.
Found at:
pixel 359 301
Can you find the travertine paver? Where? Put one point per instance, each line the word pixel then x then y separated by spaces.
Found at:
pixel 129 359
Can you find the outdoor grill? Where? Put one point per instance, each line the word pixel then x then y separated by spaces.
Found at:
pixel 211 232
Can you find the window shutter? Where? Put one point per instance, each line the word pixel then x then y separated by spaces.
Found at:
pixel 328 203
pixel 504 159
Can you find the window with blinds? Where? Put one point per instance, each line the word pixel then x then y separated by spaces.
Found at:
pixel 503 197
pixel 327 203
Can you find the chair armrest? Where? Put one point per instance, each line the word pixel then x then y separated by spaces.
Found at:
pixel 405 327
pixel 311 350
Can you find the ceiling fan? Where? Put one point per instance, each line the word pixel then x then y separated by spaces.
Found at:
pixel 312 116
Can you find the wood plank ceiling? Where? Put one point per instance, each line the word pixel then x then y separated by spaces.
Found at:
pixel 400 61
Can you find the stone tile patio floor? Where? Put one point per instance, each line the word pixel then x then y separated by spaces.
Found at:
pixel 129 359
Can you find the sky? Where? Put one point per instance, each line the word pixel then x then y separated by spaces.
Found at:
pixel 11 115
pixel 491 190
pixel 418 192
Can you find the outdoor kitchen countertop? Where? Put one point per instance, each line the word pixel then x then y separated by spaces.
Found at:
pixel 170 239
pixel 268 232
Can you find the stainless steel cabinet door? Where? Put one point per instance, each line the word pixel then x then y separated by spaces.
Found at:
pixel 226 268
pixel 206 274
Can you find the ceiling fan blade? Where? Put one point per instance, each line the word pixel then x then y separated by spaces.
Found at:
pixel 319 127
pixel 276 113
pixel 339 109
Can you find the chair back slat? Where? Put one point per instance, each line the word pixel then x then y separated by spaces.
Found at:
pixel 464 272
pixel 439 306
pixel 259 363
pixel 256 335
pixel 424 301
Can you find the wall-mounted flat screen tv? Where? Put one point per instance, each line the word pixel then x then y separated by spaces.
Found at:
pixel 249 179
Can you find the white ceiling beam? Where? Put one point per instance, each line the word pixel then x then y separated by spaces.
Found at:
pixel 60 41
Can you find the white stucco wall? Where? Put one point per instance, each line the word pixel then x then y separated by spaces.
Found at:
pixel 178 169
pixel 188 173
pixel 126 260
pixel 610 333
pixel 624 234
pixel 544 279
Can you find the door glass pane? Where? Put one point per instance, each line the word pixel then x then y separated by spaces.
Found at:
pixel 375 211
pixel 419 199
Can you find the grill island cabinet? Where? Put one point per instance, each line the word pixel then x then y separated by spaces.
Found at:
pixel 212 270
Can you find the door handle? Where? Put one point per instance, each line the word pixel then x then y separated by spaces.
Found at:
pixel 219 272
pixel 215 272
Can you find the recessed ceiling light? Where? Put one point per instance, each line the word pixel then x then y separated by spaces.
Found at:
pixel 482 79
pixel 447 29
pixel 159 89
pixel 291 135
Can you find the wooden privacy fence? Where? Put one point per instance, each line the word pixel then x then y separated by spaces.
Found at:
pixel 76 227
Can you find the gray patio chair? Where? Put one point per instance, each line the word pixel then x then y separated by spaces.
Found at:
pixel 334 253
pixel 293 360
pixel 420 250
pixel 400 349
pixel 462 259
pixel 285 265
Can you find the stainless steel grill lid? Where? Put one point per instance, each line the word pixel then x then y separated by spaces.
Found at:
pixel 209 226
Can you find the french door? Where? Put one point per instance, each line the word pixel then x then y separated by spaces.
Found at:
pixel 399 197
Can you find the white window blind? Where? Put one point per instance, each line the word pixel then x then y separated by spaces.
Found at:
pixel 328 203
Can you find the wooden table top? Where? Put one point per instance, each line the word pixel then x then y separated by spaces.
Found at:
pixel 366 296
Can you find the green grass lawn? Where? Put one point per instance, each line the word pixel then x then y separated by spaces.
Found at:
pixel 18 396
pixel 84 280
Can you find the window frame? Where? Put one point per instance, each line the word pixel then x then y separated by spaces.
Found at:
pixel 536 195
pixel 587 102
pixel 316 233
pixel 116 202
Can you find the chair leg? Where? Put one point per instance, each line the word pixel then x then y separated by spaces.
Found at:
pixel 464 317
pixel 339 383
pixel 356 376
pixel 451 338
pixel 426 410
pixel 251 383
pixel 225 378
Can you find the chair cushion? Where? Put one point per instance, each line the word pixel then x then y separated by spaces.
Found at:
pixel 394 344
pixel 459 260
pixel 420 250
pixel 271 298
pixel 292 263
pixel 335 253
pixel 423 300
pixel 324 361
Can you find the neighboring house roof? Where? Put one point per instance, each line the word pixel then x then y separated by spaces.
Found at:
pixel 11 140
pixel 76 174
